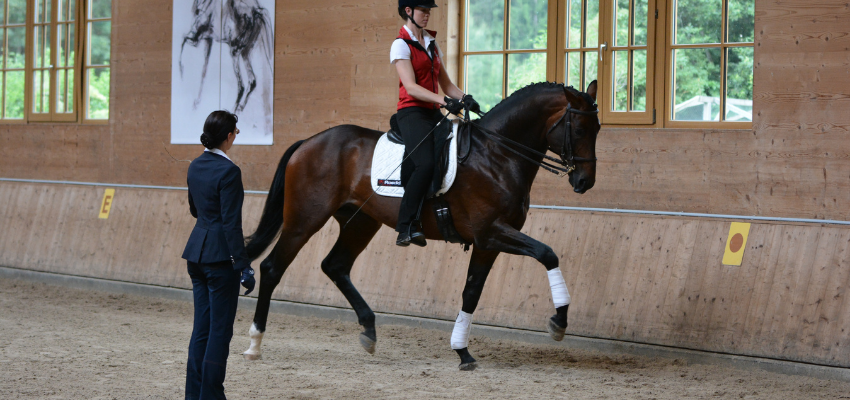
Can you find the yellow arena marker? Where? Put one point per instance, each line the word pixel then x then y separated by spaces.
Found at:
pixel 106 204
pixel 736 242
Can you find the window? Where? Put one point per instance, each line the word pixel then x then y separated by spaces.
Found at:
pixel 692 69
pixel 44 76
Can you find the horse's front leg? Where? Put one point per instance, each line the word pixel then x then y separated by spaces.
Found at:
pixel 509 240
pixel 480 264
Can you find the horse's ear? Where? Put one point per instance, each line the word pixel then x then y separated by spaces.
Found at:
pixel 591 90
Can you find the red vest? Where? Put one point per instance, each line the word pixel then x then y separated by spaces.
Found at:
pixel 426 70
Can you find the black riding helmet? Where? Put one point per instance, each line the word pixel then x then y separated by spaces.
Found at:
pixel 413 4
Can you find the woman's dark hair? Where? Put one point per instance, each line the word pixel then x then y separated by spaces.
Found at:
pixel 402 13
pixel 218 125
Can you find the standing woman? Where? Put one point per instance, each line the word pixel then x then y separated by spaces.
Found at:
pixel 417 60
pixel 216 256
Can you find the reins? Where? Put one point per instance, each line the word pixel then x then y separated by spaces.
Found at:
pixel 567 162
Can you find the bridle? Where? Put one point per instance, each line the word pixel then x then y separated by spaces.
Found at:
pixel 567 161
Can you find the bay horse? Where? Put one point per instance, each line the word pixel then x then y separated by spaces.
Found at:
pixel 328 175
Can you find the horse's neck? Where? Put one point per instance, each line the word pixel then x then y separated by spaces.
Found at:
pixel 526 123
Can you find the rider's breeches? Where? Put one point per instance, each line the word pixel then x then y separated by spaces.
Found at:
pixel 415 123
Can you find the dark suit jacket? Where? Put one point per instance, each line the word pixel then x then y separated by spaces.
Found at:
pixel 215 199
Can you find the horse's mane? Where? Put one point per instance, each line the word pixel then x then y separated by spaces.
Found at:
pixel 527 91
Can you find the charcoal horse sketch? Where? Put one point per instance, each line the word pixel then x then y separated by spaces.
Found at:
pixel 205 35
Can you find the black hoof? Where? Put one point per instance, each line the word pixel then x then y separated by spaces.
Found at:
pixel 556 331
pixel 467 363
pixel 367 343
pixel 468 366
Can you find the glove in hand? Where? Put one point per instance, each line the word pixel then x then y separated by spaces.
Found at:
pixel 453 106
pixel 247 280
pixel 471 104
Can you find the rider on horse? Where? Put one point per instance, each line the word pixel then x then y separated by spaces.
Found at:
pixel 420 69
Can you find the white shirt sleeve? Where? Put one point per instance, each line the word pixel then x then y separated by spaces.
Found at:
pixel 399 51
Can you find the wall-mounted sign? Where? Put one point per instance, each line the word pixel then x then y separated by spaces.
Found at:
pixel 736 242
pixel 106 204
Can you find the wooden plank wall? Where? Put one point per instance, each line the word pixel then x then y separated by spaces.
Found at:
pixel 645 279
pixel 331 68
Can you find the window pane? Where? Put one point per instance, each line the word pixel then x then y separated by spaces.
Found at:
pixel 621 81
pixel 2 14
pixel 14 95
pixel 42 11
pixel 65 91
pixel 739 84
pixel 99 35
pixel 741 27
pixel 641 18
pixel 66 10
pixel 592 28
pixel 574 24
pixel 17 11
pixel 698 21
pixel 17 47
pixel 573 72
pixel 100 8
pixel 697 83
pixel 484 79
pixel 2 48
pixel 42 46
pixel 66 49
pixel 528 21
pixel 621 17
pixel 41 91
pixel 525 69
pixel 97 93
pixel 485 25
pixel 638 80
pixel 590 63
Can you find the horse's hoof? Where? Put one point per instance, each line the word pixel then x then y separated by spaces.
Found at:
pixel 555 331
pixel 468 366
pixel 251 357
pixel 367 343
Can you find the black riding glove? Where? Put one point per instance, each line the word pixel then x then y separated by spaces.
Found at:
pixel 247 279
pixel 453 106
pixel 471 104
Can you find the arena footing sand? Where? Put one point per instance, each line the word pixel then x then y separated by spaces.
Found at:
pixel 63 343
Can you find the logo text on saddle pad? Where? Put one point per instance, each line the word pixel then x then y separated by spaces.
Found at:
pixel 389 182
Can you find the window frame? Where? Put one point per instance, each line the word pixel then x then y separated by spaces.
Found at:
pixel 79 69
pixel 660 63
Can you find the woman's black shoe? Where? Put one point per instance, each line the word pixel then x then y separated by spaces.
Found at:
pixel 413 235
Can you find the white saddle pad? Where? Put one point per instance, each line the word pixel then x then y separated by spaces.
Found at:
pixel 386 166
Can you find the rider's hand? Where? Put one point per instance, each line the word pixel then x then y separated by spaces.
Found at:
pixel 471 104
pixel 247 279
pixel 453 106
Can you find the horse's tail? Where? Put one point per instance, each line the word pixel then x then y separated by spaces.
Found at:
pixel 272 218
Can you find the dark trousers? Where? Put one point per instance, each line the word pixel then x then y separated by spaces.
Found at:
pixel 415 123
pixel 216 291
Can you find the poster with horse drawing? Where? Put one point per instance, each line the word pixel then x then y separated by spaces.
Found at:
pixel 222 58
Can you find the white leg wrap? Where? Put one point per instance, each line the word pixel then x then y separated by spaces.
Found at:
pixel 256 340
pixel 460 334
pixel 560 294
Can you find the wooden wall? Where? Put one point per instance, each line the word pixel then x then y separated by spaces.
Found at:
pixel 646 279
pixel 331 65
pixel 636 278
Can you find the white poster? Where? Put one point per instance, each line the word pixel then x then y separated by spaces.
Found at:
pixel 222 58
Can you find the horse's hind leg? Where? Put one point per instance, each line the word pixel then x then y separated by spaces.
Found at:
pixel 337 266
pixel 272 269
pixel 480 264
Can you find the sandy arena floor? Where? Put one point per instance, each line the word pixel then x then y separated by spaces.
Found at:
pixel 59 343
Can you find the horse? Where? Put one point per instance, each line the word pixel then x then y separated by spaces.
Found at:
pixel 328 175
pixel 250 26
pixel 247 26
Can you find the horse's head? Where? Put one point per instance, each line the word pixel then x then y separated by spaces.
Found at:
pixel 573 136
